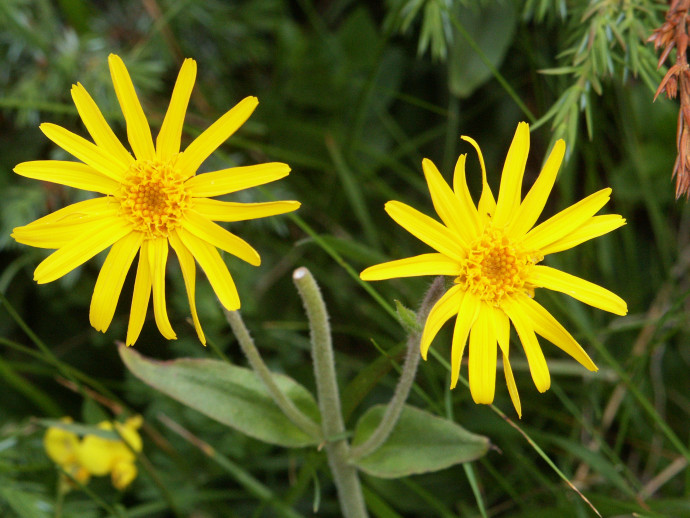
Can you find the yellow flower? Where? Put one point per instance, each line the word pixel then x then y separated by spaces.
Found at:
pixel 151 199
pixel 62 447
pixel 101 456
pixel 493 251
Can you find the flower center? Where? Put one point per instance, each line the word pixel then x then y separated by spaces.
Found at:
pixel 153 197
pixel 496 268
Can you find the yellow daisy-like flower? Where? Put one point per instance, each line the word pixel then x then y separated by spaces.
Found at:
pixel 493 252
pixel 152 198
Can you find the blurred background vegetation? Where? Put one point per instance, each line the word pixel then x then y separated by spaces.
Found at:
pixel 353 95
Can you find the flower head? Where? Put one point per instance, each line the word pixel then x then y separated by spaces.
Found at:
pixel 152 198
pixel 94 455
pixel 492 251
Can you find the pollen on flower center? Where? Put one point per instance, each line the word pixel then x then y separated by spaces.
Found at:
pixel 496 268
pixel 153 197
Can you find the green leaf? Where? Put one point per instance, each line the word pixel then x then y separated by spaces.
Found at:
pixel 491 28
pixel 420 442
pixel 229 394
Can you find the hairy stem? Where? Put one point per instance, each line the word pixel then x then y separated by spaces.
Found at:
pixel 337 448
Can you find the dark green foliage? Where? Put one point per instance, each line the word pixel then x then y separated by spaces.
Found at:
pixel 353 95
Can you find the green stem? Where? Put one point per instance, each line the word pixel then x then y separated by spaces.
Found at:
pixel 338 450
pixel 407 376
pixel 257 363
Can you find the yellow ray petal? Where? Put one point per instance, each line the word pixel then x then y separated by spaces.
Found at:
pixel 467 316
pixel 594 227
pixel 138 131
pixel 424 264
pixel 512 387
pixel 158 256
pixel 535 356
pixel 446 203
pixel 487 204
pixel 445 307
pixel 235 179
pixel 206 143
pixel 210 261
pixel 81 249
pixel 231 211
pixel 465 204
pixel 560 225
pixel 547 326
pixel 98 127
pixel 510 191
pixel 90 207
pixel 501 325
pixel 140 297
pixel 188 268
pixel 426 229
pixel 84 150
pixel 580 289
pixel 168 140
pixel 111 278
pixel 217 236
pixel 482 362
pixel 530 209
pixel 71 174
pixel 60 233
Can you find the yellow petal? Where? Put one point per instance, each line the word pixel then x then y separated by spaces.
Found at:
pixel 158 255
pixel 90 207
pixel 96 454
pixel 594 227
pixel 138 131
pixel 580 289
pixel 71 174
pixel 467 316
pixel 482 362
pixel 56 234
pixel 535 356
pixel 206 143
pixel 188 268
pixel 501 325
pixel 168 141
pixel 533 204
pixel 81 249
pixel 140 297
pixel 445 307
pixel 84 150
pixel 563 223
pixel 217 236
pixel 111 278
pixel 465 205
pixel 510 191
pixel 446 203
pixel 230 211
pixel 210 261
pixel 487 204
pixel 425 264
pixel 235 179
pixel 512 387
pixel 98 128
pixel 426 229
pixel 547 326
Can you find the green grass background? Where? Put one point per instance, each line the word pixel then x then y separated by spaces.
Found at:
pixel 353 95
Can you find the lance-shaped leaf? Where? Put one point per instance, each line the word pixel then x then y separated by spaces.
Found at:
pixel 420 442
pixel 229 394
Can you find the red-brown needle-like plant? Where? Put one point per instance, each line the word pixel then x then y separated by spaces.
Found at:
pixel 674 34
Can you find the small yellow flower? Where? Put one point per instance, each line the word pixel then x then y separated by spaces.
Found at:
pixel 493 251
pixel 151 199
pixel 62 447
pixel 101 456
